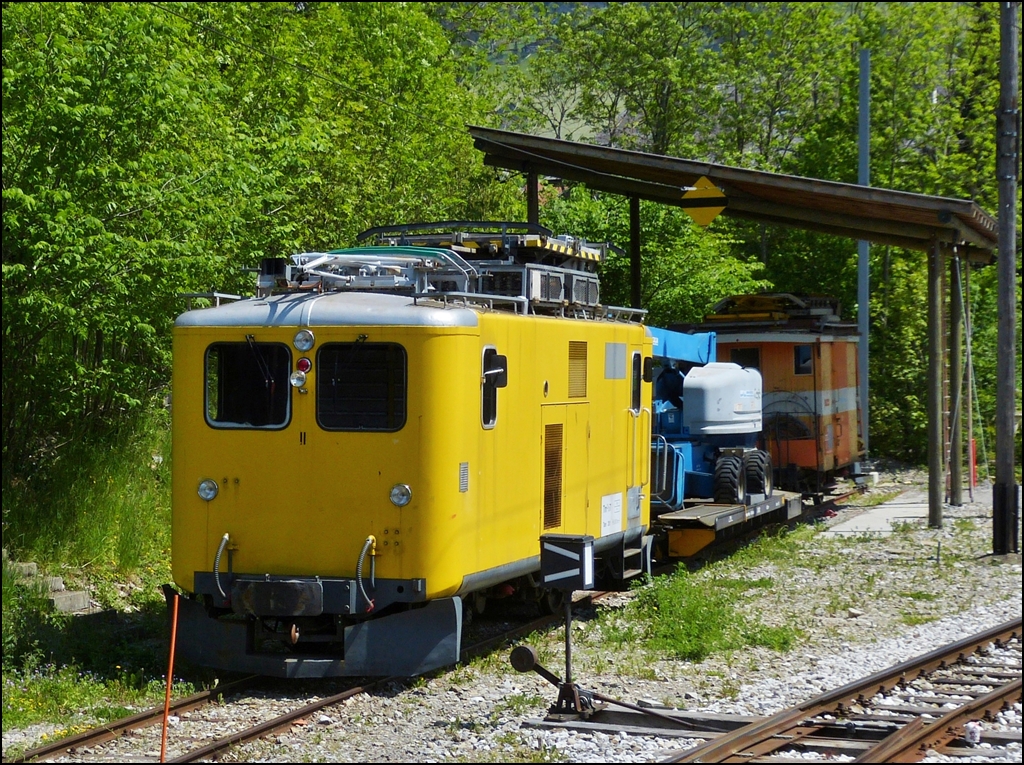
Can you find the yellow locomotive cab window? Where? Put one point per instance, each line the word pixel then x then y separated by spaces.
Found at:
pixel 247 385
pixel 361 386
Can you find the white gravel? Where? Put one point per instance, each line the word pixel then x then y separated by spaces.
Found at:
pixel 767 696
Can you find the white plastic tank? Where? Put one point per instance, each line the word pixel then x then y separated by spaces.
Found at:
pixel 722 398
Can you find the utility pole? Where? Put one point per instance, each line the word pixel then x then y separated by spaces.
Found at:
pixel 1005 509
pixel 863 266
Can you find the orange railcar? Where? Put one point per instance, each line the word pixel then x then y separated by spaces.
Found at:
pixel 807 358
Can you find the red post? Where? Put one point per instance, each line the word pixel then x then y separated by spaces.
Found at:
pixel 170 680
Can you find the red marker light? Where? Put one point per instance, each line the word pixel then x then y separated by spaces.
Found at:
pixel 304 365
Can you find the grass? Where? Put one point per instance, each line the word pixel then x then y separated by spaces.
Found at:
pixel 691 617
pixel 920 595
pixel 100 508
pixel 906 527
pixel 512 748
pixel 518 704
pixel 913 620
pixel 963 525
pixel 872 499
pixel 100 517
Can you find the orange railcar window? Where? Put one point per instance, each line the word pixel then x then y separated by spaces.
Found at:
pixel 803 360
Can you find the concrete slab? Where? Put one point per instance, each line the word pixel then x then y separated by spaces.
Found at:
pixel 54 583
pixel 910 507
pixel 25 569
pixel 70 600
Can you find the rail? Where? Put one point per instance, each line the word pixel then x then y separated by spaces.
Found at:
pixel 112 730
pixel 764 736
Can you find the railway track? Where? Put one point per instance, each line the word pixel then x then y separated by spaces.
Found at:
pixel 112 730
pixel 87 741
pixel 908 703
pixel 82 746
pixel 896 715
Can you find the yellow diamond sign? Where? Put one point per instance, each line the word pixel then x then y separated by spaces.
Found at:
pixel 706 210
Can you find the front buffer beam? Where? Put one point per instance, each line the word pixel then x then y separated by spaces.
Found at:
pixel 403 644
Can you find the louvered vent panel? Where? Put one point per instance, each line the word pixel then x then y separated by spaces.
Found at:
pixel 552 476
pixel 577 369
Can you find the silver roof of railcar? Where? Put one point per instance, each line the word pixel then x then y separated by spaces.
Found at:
pixel 329 309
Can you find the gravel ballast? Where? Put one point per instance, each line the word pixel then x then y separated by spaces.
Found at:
pixel 875 601
pixel 857 605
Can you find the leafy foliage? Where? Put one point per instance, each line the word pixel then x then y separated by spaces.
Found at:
pixel 775 86
pixel 156 149
pixel 684 268
pixel 153 150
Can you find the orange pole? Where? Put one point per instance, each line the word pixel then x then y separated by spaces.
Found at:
pixel 170 680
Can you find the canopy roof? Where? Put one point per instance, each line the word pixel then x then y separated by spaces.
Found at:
pixel 883 216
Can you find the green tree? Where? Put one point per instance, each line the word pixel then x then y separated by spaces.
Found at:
pixel 118 187
pixel 685 269
pixel 150 150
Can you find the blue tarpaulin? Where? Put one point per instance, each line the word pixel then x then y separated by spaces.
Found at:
pixel 698 348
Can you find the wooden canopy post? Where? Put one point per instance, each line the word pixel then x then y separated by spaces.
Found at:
pixel 532 197
pixel 935 474
pixel 634 251
pixel 956 379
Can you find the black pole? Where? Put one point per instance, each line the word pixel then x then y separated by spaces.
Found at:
pixel 1005 510
pixel 532 201
pixel 634 250
pixel 935 476
pixel 568 638
pixel 863 251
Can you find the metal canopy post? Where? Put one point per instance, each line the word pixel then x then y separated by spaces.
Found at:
pixel 956 378
pixel 935 474
pixel 634 251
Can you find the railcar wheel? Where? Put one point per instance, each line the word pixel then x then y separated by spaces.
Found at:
pixel 552 602
pixel 730 480
pixel 757 469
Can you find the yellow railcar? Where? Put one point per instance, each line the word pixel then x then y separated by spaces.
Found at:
pixel 350 467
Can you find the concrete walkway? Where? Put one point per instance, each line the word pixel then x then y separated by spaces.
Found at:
pixel 909 507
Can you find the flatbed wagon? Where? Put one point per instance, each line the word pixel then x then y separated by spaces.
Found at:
pixel 704 522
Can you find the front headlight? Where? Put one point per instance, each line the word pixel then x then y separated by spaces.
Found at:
pixel 297 378
pixel 303 340
pixel 208 489
pixel 400 495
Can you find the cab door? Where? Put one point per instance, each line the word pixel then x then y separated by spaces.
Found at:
pixel 640 439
